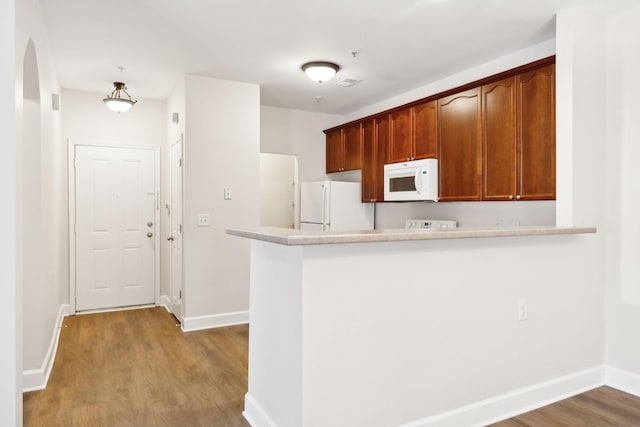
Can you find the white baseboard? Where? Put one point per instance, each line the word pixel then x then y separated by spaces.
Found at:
pixel 165 302
pixel 622 380
pixel 254 414
pixel 516 402
pixel 36 379
pixel 215 321
pixel 484 412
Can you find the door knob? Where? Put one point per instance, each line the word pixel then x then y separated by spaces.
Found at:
pixel 149 234
pixel 170 238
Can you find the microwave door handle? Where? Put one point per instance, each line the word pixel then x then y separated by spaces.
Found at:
pixel 417 180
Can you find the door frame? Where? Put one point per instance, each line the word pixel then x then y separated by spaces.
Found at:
pixel 179 142
pixel 71 150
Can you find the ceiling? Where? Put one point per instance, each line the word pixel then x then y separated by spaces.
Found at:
pixel 399 44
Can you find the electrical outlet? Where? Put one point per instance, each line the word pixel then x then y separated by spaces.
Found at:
pixel 203 220
pixel 523 310
pixel 227 194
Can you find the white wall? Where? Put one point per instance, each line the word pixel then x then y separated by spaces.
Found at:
pixel 45 286
pixel 622 228
pixel 221 150
pixel 440 318
pixel 287 131
pixel 85 118
pixel 468 214
pixel 11 312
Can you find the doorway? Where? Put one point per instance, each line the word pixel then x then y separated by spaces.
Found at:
pixel 279 190
pixel 114 211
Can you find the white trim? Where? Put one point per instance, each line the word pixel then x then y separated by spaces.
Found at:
pixel 165 302
pixel 215 321
pixel 112 309
pixel 71 151
pixel 622 380
pixel 254 414
pixel 36 379
pixel 516 402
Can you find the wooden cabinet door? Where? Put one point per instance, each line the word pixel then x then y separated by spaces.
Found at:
pixel 382 150
pixel 536 134
pixel 352 136
pixel 499 140
pixel 400 136
pixel 460 146
pixel 369 159
pixel 375 136
pixel 335 151
pixel 425 130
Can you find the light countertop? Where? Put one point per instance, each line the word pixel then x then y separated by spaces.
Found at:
pixel 291 237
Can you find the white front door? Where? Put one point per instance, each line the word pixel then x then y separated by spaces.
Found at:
pixel 115 199
pixel 176 231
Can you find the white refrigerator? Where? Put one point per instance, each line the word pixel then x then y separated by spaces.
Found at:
pixel 334 206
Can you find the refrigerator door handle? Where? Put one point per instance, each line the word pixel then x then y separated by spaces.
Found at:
pixel 325 204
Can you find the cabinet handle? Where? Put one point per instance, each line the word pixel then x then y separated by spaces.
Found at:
pixel 518 197
pixel 510 197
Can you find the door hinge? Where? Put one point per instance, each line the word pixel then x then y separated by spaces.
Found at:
pixel 180 228
pixel 180 162
pixel 180 294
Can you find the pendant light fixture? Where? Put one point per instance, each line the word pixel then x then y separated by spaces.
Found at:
pixel 116 102
pixel 320 71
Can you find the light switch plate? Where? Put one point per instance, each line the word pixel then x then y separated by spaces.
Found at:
pixel 227 193
pixel 203 220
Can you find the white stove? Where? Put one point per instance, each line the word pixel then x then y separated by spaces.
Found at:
pixel 429 223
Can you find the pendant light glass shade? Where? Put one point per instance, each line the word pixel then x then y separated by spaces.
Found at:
pixel 320 71
pixel 116 102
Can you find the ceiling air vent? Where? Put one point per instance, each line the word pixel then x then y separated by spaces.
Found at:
pixel 347 82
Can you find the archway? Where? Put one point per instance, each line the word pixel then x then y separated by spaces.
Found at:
pixel 30 210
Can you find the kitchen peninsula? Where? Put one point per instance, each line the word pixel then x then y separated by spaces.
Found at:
pixel 386 328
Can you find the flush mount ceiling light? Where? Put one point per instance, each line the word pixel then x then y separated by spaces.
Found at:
pixel 320 71
pixel 116 102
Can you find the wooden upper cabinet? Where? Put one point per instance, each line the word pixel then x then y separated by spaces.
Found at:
pixel 335 151
pixel 369 161
pixel 352 147
pixel 375 137
pixel 536 147
pixel 494 142
pixel 400 136
pixel 499 139
pixel 344 149
pixel 424 130
pixel 460 146
pixel 413 133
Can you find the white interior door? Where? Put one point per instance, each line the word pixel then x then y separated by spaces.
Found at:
pixel 115 226
pixel 175 237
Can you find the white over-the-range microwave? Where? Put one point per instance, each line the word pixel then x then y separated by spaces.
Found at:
pixel 411 181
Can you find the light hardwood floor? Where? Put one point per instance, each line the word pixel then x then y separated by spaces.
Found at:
pixel 137 368
pixel 600 407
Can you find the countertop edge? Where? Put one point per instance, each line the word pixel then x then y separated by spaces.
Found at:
pixel 291 237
